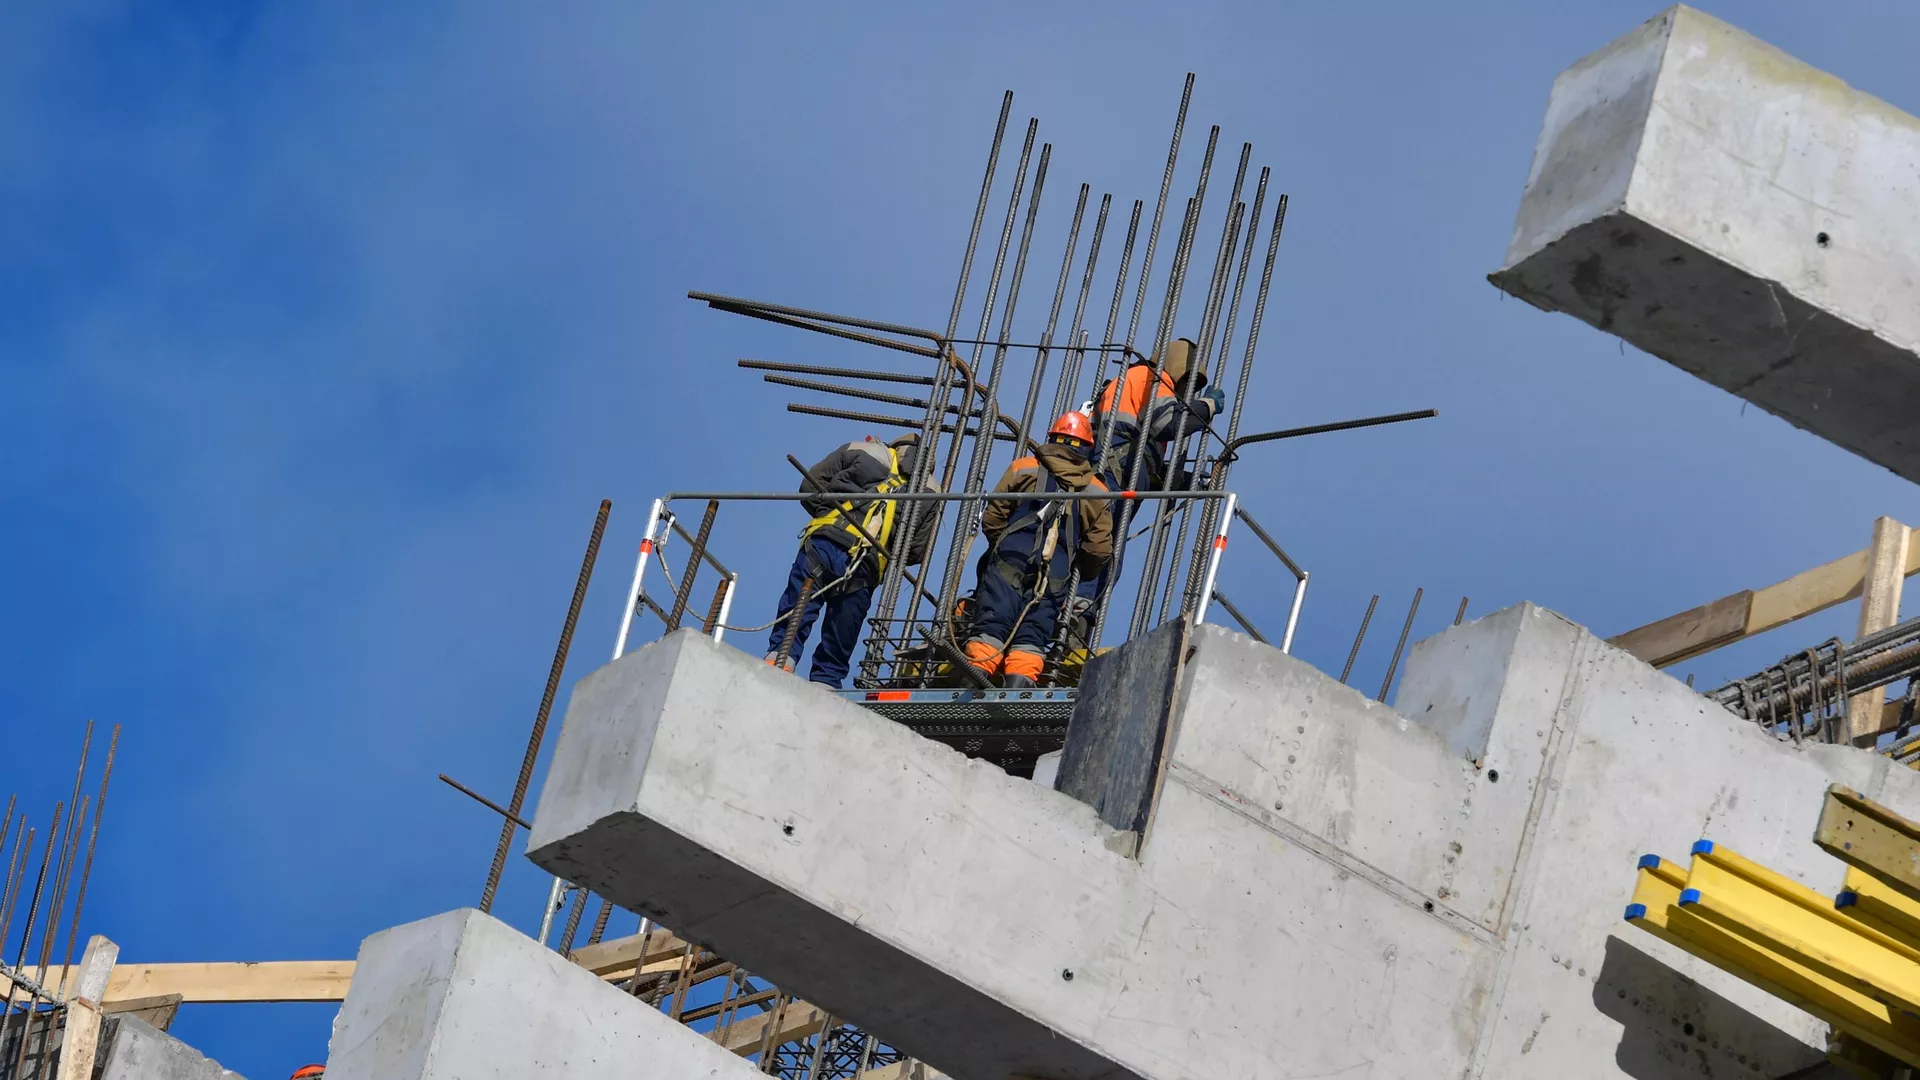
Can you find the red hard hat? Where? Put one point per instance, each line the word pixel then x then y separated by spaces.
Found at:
pixel 307 1072
pixel 1074 425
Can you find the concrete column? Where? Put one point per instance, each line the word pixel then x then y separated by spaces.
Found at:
pixel 131 1049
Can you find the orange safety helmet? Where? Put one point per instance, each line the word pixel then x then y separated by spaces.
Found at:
pixel 1074 425
pixel 308 1072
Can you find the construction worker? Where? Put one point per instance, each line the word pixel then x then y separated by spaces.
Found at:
pixel 309 1072
pixel 1033 546
pixel 1135 406
pixel 843 560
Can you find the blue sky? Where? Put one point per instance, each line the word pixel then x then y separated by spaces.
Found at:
pixel 324 328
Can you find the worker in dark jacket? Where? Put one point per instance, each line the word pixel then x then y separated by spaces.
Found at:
pixel 1142 414
pixel 842 561
pixel 1033 547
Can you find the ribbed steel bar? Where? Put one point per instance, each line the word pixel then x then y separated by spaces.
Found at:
pixel 40 882
pixel 942 383
pixel 835 372
pixel 600 922
pixel 539 733
pixel 1253 335
pixel 696 551
pixel 886 421
pixel 1169 316
pixel 574 914
pixel 1159 212
pixel 741 304
pixel 1393 666
pixel 1209 324
pixel 962 534
pixel 69 855
pixel 1221 599
pixel 1217 476
pixel 1042 355
pixel 14 863
pixel 86 868
pixel 1354 652
pixel 861 394
pixel 1076 334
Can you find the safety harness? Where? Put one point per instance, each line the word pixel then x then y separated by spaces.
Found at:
pixel 876 519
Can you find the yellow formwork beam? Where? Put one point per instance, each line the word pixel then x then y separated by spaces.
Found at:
pixel 1880 904
pixel 1786 917
pixel 1657 909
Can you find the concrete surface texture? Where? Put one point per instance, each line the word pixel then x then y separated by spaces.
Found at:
pixel 131 1049
pixel 1741 215
pixel 1327 887
pixel 462 996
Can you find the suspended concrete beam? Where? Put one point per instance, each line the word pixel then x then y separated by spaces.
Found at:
pixel 1741 215
pixel 463 996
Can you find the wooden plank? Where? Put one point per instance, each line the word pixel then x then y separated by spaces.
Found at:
pixel 1879 609
pixel 1690 633
pixel 157 1012
pixel 616 953
pixel 1665 643
pixel 797 1021
pixel 1862 833
pixel 81 1039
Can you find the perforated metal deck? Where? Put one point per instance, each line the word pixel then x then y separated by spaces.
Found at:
pixel 996 724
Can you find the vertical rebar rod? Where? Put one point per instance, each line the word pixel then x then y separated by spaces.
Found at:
pixel 820 1049
pixel 1393 665
pixel 1209 323
pixel 1462 613
pixel 713 609
pixel 1159 211
pixel 16 866
pixel 937 400
pixel 6 885
pixel 1217 478
pixel 86 868
pixel 1103 430
pixel 1254 325
pixel 600 922
pixel 39 885
pixel 789 638
pixel 539 733
pixel 695 556
pixel 1169 315
pixel 1354 652
pixel 1077 353
pixel 572 927
pixel 1043 354
pixel 69 854
pixel 969 509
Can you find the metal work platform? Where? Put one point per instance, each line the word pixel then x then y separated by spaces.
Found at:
pixel 994 724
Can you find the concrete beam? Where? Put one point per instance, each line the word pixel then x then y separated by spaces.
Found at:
pixel 1741 215
pixel 131 1049
pixel 1326 881
pixel 462 996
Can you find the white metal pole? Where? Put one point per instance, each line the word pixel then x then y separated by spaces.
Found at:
pixel 726 606
pixel 1293 617
pixel 553 903
pixel 633 590
pixel 1213 561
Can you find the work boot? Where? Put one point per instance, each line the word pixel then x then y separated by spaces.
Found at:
pixel 773 660
pixel 1011 681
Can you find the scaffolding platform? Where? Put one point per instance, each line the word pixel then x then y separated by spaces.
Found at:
pixel 979 723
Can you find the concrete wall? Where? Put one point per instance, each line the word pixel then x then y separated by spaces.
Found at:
pixel 462 996
pixel 131 1049
pixel 1328 887
pixel 1683 183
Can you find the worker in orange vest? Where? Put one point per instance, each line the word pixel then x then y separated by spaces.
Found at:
pixel 1138 408
pixel 308 1072
pixel 1033 547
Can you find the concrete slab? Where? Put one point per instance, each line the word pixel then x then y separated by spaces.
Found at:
pixel 462 996
pixel 1326 882
pixel 1741 215
pixel 131 1049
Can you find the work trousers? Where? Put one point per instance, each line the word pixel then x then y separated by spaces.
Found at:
pixel 999 597
pixel 844 608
